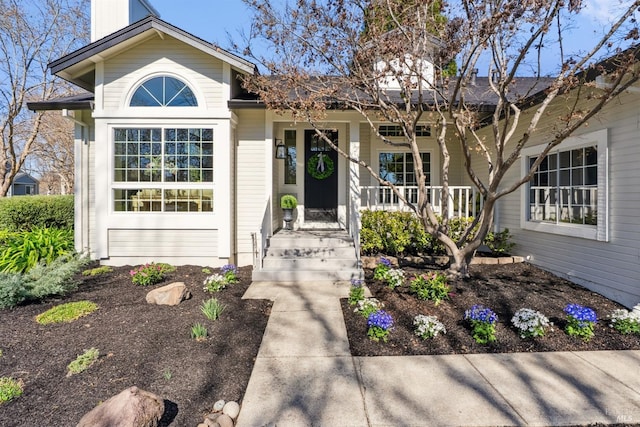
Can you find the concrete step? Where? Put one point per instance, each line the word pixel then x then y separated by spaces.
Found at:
pixel 335 252
pixel 310 242
pixel 322 264
pixel 305 275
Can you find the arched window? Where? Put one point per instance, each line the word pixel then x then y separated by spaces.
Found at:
pixel 163 91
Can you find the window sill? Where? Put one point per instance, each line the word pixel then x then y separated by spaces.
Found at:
pixel 580 231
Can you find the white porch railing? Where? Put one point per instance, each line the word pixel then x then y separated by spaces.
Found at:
pixel 463 201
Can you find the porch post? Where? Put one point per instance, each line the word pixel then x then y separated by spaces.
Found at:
pixel 354 183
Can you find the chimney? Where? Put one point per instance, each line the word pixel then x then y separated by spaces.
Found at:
pixel 109 16
pixel 495 76
pixel 474 75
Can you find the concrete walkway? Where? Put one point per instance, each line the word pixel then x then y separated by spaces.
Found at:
pixel 304 375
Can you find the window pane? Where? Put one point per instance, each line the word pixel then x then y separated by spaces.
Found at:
pixel 290 162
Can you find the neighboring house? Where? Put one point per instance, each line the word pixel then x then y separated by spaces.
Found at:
pixel 175 162
pixel 23 185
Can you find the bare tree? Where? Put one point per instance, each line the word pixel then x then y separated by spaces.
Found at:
pixel 53 154
pixel 344 53
pixel 32 34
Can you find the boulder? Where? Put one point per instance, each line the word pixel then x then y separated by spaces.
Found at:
pixel 225 421
pixel 172 294
pixel 133 407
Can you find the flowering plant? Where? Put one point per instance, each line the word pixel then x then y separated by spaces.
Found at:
pixel 380 324
pixel 580 321
pixel 230 273
pixel 432 286
pixel 483 321
pixel 428 326
pixel 368 306
pixel 381 269
pixel 148 274
pixel 625 321
pixel 356 293
pixel 530 323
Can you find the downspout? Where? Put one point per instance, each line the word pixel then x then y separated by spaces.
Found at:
pixel 81 185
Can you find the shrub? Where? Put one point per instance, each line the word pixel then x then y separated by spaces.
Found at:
pixel 402 233
pixel 431 286
pixel 10 389
pixel 530 323
pixel 199 332
pixel 41 281
pixel 83 361
pixel 483 322
pixel 103 269
pixel 148 274
pixel 66 312
pixel 25 249
pixel 26 213
pixel 288 201
pixel 380 324
pixel 580 321
pixel 625 321
pixel 212 309
pixel 428 326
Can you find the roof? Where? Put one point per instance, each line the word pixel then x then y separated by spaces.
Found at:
pixel 81 101
pixel 78 67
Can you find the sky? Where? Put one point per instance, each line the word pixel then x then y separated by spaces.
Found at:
pixel 213 20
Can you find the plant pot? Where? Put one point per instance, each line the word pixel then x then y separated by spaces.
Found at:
pixel 288 217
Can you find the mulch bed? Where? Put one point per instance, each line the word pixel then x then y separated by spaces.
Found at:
pixel 504 289
pixel 145 345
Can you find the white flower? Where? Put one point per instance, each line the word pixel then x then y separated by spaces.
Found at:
pixel 428 326
pixel 530 323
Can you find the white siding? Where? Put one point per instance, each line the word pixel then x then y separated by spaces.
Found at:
pixel 253 186
pixel 176 246
pixel 611 268
pixel 202 72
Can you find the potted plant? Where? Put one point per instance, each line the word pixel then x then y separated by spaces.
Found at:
pixel 288 203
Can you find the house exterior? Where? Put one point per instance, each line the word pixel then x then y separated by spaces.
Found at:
pixel 23 185
pixel 175 163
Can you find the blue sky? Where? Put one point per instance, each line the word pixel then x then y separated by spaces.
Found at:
pixel 211 20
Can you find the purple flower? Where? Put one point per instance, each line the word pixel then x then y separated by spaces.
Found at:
pixel 581 314
pixel 384 261
pixel 229 268
pixel 356 283
pixel 480 313
pixel 380 319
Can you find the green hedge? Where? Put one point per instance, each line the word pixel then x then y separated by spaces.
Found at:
pixel 23 213
pixel 401 233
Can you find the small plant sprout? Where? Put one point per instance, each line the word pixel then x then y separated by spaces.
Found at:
pixel 206 270
pixel 10 389
pixel 580 321
pixel 66 312
pixel 530 323
pixel 356 293
pixel 483 323
pixel 626 322
pixel 431 286
pixel 83 361
pixel 199 332
pixel 428 326
pixel 212 309
pixel 380 324
pixel 368 306
pixel 166 374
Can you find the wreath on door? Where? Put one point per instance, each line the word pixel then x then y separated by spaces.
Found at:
pixel 320 166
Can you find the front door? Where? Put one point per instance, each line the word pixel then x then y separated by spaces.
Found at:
pixel 320 177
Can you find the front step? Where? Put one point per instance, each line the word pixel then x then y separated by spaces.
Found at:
pixel 309 255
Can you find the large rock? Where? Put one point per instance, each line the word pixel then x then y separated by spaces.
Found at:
pixel 133 407
pixel 172 294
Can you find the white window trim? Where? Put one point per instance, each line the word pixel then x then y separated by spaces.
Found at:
pixel 434 161
pixel 160 219
pixel 599 232
pixel 126 100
